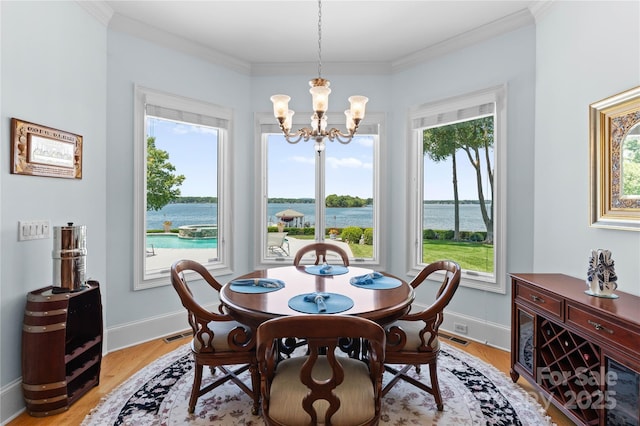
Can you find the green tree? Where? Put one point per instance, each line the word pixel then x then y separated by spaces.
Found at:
pixel 334 200
pixel 474 137
pixel 440 143
pixel 162 183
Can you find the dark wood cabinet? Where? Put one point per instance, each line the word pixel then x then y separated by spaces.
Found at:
pixel 61 348
pixel 581 351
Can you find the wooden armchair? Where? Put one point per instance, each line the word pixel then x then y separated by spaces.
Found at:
pixel 320 389
pixel 413 339
pixel 218 340
pixel 321 250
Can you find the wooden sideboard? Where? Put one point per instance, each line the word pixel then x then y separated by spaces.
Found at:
pixel 61 348
pixel 581 351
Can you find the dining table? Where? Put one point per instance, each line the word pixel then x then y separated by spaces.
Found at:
pixel 382 299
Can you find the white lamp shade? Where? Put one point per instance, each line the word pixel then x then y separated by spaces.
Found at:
pixel 322 122
pixel 358 104
pixel 280 105
pixel 320 95
pixel 289 120
pixel 351 125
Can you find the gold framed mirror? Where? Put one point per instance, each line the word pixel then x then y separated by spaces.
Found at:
pixel 614 138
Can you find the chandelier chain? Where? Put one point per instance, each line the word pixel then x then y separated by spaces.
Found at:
pixel 320 38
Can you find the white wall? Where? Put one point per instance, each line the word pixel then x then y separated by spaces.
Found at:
pixel 135 61
pixel 54 74
pixel 510 60
pixel 586 51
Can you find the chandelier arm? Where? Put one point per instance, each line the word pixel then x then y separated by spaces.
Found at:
pixel 339 136
pixel 296 137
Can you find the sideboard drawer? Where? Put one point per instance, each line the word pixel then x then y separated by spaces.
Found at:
pixel 540 299
pixel 601 327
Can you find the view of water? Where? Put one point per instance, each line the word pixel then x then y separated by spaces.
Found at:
pixel 436 216
pixel 173 241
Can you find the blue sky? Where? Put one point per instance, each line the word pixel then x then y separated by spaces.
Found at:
pixel 439 182
pixel 349 168
pixel 193 151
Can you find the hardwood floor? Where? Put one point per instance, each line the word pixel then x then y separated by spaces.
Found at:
pixel 120 365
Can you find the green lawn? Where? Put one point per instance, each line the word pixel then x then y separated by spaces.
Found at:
pixel 470 256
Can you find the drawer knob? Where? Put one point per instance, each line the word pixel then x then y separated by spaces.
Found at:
pixel 537 299
pixel 599 327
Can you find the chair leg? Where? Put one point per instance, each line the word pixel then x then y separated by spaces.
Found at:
pixel 195 391
pixel 435 386
pixel 255 384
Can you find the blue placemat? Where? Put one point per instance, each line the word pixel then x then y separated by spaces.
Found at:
pixel 335 303
pixel 377 282
pixel 258 285
pixel 317 270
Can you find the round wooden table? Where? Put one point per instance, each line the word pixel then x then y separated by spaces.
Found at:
pixel 252 309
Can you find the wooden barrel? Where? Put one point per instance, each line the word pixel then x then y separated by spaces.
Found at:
pixel 43 345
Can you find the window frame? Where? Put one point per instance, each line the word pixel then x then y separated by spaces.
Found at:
pixel 143 96
pixel 266 124
pixel 415 158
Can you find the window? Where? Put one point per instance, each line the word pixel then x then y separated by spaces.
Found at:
pixel 180 187
pixel 295 176
pixel 458 156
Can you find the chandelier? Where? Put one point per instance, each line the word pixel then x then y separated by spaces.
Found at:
pixel 320 99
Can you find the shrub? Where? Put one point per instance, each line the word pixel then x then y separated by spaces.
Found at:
pixel 429 234
pixel 446 235
pixel 476 237
pixel 351 234
pixel 368 236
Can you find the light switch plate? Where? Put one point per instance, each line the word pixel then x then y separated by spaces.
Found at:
pixel 33 230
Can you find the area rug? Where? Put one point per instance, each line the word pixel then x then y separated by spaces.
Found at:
pixel 474 393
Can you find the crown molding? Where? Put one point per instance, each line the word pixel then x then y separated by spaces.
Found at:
pixel 163 38
pixel 540 8
pixel 117 22
pixel 98 9
pixel 477 35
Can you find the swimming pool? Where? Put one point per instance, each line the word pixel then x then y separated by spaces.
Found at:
pixel 173 241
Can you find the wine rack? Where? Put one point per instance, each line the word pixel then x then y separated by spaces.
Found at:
pixel 61 348
pixel 569 368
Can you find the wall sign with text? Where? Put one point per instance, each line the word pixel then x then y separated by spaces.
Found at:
pixel 42 151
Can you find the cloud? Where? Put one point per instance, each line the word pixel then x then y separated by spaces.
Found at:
pixel 349 162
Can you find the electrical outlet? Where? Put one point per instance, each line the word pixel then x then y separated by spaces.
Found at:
pixel 460 328
pixel 33 230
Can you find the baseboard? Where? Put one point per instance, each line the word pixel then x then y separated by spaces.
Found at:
pixel 134 333
pixel 11 401
pixel 478 330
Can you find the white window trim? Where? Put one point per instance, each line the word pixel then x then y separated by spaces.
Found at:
pixel 497 94
pixel 222 266
pixel 374 123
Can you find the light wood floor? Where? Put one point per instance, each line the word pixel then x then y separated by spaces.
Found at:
pixel 120 365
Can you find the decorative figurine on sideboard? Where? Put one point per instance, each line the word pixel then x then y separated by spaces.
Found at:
pixel 601 276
